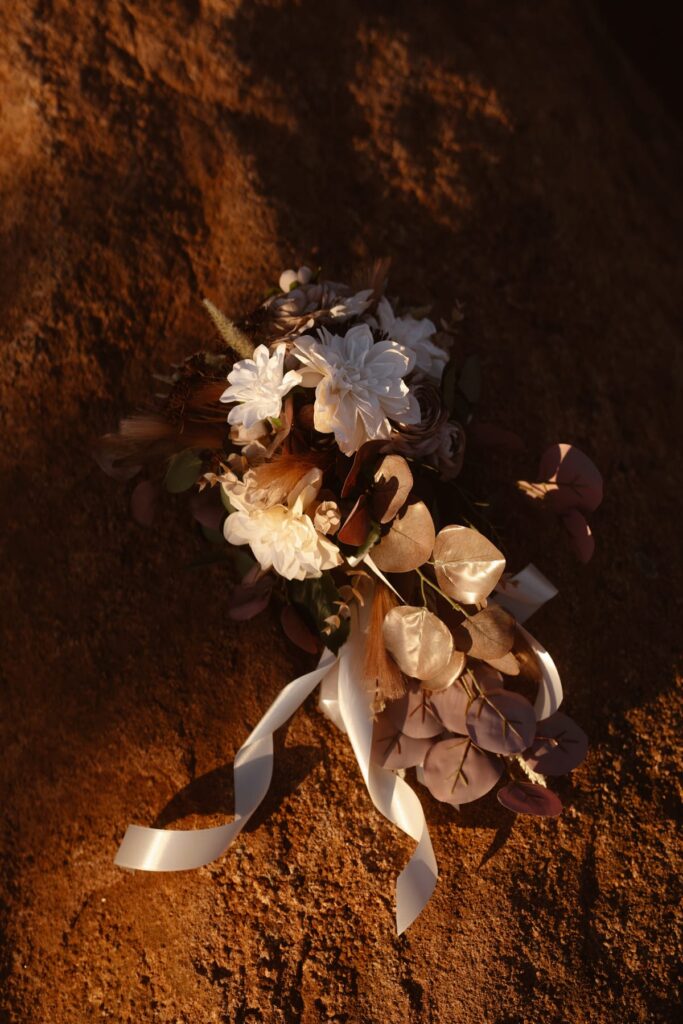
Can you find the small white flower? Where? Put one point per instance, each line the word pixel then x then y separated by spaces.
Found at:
pixel 327 518
pixel 257 386
pixel 415 335
pixel 359 385
pixel 283 539
pixel 352 305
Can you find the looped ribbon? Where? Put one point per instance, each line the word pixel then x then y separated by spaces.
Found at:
pixel 345 699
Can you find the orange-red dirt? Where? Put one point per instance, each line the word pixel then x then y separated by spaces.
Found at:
pixel 505 155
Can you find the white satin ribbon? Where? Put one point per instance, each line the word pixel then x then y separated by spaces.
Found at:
pixel 549 696
pixel 159 849
pixel 522 595
pixel 390 794
pixel 525 593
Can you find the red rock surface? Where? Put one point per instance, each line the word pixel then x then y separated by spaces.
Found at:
pixel 150 154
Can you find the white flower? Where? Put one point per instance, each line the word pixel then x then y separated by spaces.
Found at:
pixel 283 539
pixel 258 386
pixel 359 385
pixel 415 335
pixel 352 305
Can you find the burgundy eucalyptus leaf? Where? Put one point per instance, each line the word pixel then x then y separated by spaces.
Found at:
pixel 451 706
pixel 580 534
pixel 578 481
pixel 411 715
pixel 247 600
pixel 356 527
pixel 296 630
pixel 365 454
pixel 113 465
pixel 530 798
pixel 392 749
pixel 207 508
pixel 457 773
pixel 559 746
pixel 501 722
pixel 143 502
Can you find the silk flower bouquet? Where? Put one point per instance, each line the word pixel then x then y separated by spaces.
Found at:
pixel 323 445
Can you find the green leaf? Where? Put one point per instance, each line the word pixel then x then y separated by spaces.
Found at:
pixel 319 597
pixel 213 536
pixel 183 471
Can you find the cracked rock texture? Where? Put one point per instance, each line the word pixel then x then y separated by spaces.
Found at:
pixel 153 153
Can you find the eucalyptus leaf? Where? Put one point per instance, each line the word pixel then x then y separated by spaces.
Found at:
pixel 184 469
pixel 321 599
pixel 530 798
pixel 143 502
pixel 411 714
pixel 409 542
pixel 467 565
pixel 501 722
pixel 559 746
pixel 418 641
pixel 488 634
pixel 393 749
pixel 457 773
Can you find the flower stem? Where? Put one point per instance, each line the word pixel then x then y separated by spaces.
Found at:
pixel 454 604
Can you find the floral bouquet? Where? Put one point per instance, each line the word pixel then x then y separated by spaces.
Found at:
pixel 323 446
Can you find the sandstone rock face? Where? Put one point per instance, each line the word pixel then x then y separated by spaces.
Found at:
pixel 152 154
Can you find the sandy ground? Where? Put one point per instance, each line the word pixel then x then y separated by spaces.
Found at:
pixel 150 154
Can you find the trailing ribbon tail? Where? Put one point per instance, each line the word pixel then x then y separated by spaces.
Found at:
pixel 391 795
pixel 158 849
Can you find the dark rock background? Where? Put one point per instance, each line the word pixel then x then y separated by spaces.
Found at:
pixel 507 156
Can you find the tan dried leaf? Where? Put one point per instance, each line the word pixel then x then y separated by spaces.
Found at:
pixel 409 542
pixel 508 664
pixel 419 641
pixel 393 484
pixel 467 565
pixel 490 633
